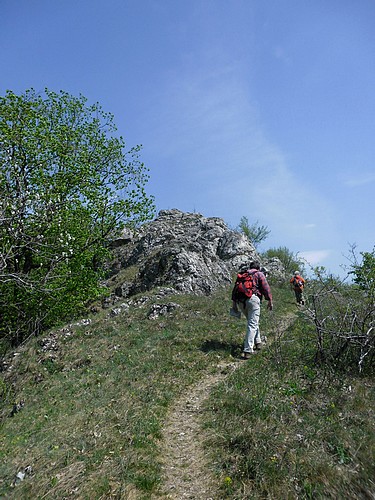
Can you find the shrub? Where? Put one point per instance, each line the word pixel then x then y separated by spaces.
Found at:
pixel 343 315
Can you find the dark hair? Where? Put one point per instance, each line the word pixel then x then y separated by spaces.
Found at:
pixel 255 264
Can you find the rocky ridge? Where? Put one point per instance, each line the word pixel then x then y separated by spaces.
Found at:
pixel 186 252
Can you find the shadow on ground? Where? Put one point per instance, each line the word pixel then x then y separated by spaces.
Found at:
pixel 215 346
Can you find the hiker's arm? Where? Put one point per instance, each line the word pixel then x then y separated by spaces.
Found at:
pixel 266 290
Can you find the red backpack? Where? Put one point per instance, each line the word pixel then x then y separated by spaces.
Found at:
pixel 244 286
pixel 298 283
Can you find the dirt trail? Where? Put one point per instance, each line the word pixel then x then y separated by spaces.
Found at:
pixel 186 469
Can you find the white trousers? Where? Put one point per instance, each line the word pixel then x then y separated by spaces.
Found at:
pixel 251 309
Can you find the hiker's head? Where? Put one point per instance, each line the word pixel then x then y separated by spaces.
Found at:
pixel 296 273
pixel 255 264
pixel 244 266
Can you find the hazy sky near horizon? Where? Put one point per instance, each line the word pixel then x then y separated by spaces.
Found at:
pixel 256 108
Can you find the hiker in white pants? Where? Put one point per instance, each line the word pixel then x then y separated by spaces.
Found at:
pixel 251 306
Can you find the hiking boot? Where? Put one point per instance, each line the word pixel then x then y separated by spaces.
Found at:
pixel 235 314
pixel 247 355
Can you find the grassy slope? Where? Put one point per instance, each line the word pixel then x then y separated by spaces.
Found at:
pixel 94 407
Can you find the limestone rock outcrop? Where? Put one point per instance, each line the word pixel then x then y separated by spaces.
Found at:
pixel 186 251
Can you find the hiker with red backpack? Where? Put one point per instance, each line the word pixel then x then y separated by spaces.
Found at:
pixel 247 293
pixel 297 283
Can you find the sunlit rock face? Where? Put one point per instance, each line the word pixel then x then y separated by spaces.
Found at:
pixel 185 251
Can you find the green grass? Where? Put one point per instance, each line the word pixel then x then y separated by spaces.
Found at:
pixel 93 409
pixel 288 430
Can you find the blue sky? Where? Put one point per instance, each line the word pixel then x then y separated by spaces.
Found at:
pixel 256 108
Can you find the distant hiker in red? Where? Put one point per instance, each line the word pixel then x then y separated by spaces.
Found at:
pixel 297 283
pixel 247 294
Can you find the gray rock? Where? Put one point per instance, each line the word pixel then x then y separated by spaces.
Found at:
pixel 158 310
pixel 276 270
pixel 185 251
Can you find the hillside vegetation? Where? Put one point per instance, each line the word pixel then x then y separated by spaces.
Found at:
pixel 147 397
pixel 83 407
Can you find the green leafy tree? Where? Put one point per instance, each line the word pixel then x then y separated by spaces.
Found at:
pixel 67 184
pixel 290 260
pixel 364 273
pixel 254 232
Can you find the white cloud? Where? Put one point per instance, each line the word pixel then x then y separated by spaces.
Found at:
pixel 359 179
pixel 315 257
pixel 207 132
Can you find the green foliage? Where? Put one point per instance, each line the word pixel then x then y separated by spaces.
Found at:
pixel 290 260
pixel 255 233
pixel 67 185
pixel 364 273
